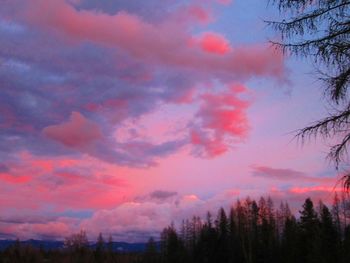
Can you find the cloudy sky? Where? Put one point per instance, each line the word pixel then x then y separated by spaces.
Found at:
pixel 120 116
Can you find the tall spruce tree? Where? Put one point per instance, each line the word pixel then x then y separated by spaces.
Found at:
pixel 172 248
pixel 151 253
pixel 235 251
pixel 223 237
pixel 336 213
pixel 330 239
pixel 100 248
pixel 309 242
pixel 289 242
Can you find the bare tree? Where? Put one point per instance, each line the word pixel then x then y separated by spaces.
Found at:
pixel 76 241
pixel 320 30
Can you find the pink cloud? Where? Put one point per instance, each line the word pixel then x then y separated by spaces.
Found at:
pixel 13 179
pixel 45 165
pixel 222 117
pixel 85 136
pixel 112 180
pixel 50 229
pixel 122 29
pixel 90 183
pixel 75 133
pixel 53 229
pixel 68 184
pixel 136 221
pixel 131 216
pixel 295 196
pixel 212 147
pixel 304 190
pixel 70 177
pixel 152 43
pixel 213 43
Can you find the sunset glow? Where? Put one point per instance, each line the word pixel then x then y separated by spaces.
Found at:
pixel 122 116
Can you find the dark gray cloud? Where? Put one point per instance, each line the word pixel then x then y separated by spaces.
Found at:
pixel 278 174
pixel 287 175
pixel 150 9
pixel 4 168
pixel 26 219
pixel 160 194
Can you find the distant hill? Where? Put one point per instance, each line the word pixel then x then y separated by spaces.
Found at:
pixel 51 245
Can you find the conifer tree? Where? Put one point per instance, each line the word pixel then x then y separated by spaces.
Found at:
pixel 223 237
pixel 151 254
pixel 329 237
pixel 235 251
pixel 336 213
pixel 309 242
pixel 289 242
pixel 100 248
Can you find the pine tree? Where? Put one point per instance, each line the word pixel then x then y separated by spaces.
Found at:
pixel 345 208
pixel 242 227
pixel 110 251
pixel 309 241
pixel 151 254
pixel 336 214
pixel 100 248
pixel 329 237
pixel 235 250
pixel 172 248
pixel 267 231
pixel 223 237
pixel 289 242
pixel 205 249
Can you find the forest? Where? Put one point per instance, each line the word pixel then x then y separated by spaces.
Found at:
pixel 249 232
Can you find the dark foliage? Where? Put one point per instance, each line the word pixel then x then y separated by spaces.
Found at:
pixel 257 233
pixel 320 30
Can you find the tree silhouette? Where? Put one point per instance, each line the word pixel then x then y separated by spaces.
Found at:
pixel 346 245
pixel 250 234
pixel 151 254
pixel 309 241
pixel 223 237
pixel 330 239
pixel 336 213
pixel 320 30
pixel 77 245
pixel 100 248
pixel 77 241
pixel 289 241
pixel 172 248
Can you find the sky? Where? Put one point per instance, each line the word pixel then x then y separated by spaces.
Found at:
pixel 122 116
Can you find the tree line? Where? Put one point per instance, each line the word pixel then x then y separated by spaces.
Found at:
pixel 249 232
pixel 254 232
